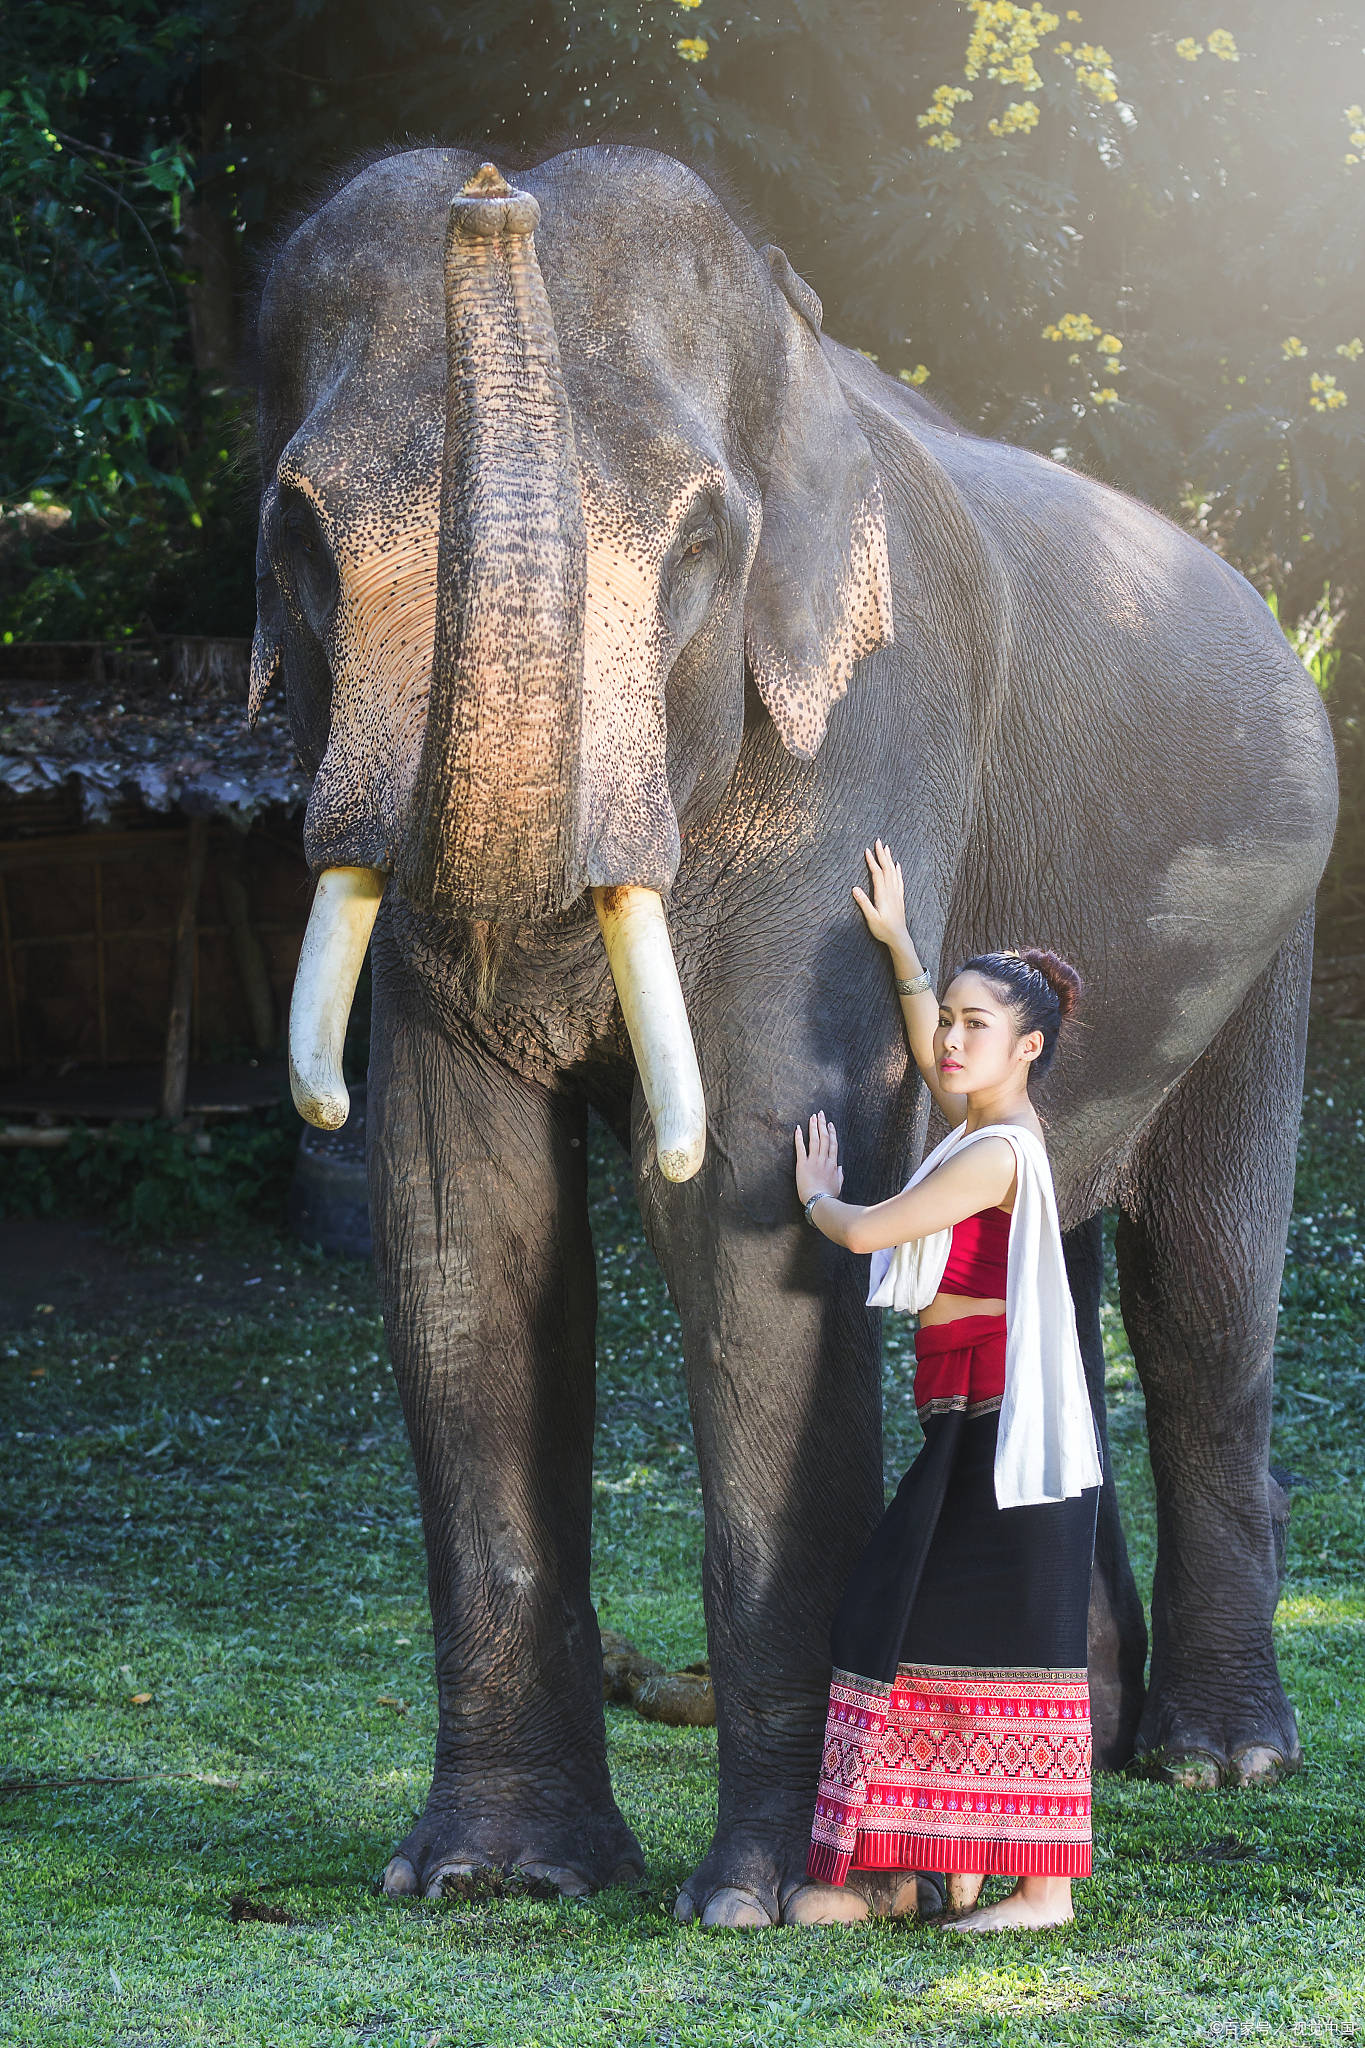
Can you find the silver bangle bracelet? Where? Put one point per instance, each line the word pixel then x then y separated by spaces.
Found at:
pixel 823 1195
pixel 914 986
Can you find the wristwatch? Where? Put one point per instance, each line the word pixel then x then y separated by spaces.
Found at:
pixel 811 1202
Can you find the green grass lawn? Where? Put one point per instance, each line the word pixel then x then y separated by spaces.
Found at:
pixel 210 1505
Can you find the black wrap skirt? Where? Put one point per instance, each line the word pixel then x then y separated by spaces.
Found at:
pixel 958 1736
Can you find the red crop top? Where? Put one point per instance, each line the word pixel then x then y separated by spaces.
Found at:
pixel 979 1257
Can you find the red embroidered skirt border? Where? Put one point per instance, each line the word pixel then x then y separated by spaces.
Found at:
pixel 950 1769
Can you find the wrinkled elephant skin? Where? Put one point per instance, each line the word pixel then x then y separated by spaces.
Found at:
pixel 600 582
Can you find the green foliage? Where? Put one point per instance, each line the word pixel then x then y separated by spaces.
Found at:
pixel 212 1558
pixel 956 179
pixel 92 313
pixel 152 1182
pixel 1120 235
pixel 115 471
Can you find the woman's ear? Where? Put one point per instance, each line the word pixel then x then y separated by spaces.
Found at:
pixel 819 594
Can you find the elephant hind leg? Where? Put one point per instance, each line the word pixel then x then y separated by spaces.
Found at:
pixel 1200 1252
pixel 1118 1632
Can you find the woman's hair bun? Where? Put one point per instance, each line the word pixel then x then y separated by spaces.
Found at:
pixel 1059 974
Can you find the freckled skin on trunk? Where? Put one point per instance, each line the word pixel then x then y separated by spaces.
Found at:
pixel 496 810
pixel 1049 634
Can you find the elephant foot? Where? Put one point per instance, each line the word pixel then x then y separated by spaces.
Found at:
pixel 453 1853
pixel 755 1876
pixel 1198 1749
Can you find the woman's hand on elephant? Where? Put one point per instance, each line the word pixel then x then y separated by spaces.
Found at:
pixel 818 1171
pixel 885 908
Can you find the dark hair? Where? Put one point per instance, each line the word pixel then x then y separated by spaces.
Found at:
pixel 1040 987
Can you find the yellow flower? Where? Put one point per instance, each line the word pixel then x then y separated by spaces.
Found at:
pixel 1100 83
pixel 1222 45
pixel 1327 394
pixel 945 141
pixel 1072 327
pixel 1109 345
pixel 1108 396
pixel 1355 113
pixel 1352 350
pixel 1064 49
pixel 1072 15
pixel 919 375
pixel 1292 346
pixel 1350 158
pixel 1018 118
pixel 940 115
pixel 687 3
pixel 1189 49
pixel 692 48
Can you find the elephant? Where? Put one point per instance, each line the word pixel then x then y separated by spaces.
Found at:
pixel 617 609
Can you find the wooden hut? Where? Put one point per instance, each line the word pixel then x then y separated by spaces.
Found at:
pixel 153 891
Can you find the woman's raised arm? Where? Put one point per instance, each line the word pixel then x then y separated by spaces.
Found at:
pixel 884 911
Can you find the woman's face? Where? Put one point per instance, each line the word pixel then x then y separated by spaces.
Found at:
pixel 977 1043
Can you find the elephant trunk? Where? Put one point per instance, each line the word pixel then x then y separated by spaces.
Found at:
pixel 494 829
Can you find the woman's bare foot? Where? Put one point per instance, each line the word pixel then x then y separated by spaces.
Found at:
pixel 1034 1902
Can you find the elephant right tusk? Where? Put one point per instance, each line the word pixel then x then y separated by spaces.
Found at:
pixel 635 933
pixel 339 925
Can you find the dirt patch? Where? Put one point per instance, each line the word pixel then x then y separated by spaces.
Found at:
pixel 56 1266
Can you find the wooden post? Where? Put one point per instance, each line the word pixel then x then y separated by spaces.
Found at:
pixel 11 983
pixel 246 946
pixel 175 1074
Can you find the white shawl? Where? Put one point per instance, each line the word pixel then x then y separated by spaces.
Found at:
pixel 1046 1447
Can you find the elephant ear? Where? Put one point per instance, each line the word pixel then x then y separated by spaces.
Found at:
pixel 267 643
pixel 819 594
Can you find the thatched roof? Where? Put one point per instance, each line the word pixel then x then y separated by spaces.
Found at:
pixel 162 726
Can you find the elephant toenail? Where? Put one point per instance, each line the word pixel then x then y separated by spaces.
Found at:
pixel 400 1879
pixel 734 1906
pixel 824 1905
pixel 1257 1764
pixel 570 1884
pixel 1194 1771
pixel 684 1908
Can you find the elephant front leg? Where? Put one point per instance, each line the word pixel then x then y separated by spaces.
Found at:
pixel 785 1392
pixel 478 1188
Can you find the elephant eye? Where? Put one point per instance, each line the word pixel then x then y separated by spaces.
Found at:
pixel 698 542
pixel 314 572
pixel 302 529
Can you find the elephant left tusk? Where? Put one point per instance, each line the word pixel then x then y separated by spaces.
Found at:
pixel 339 925
pixel 640 955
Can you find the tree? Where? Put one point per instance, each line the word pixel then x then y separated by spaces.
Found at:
pixel 1128 237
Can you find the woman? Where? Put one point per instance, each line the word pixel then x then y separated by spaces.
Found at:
pixel 958 1737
